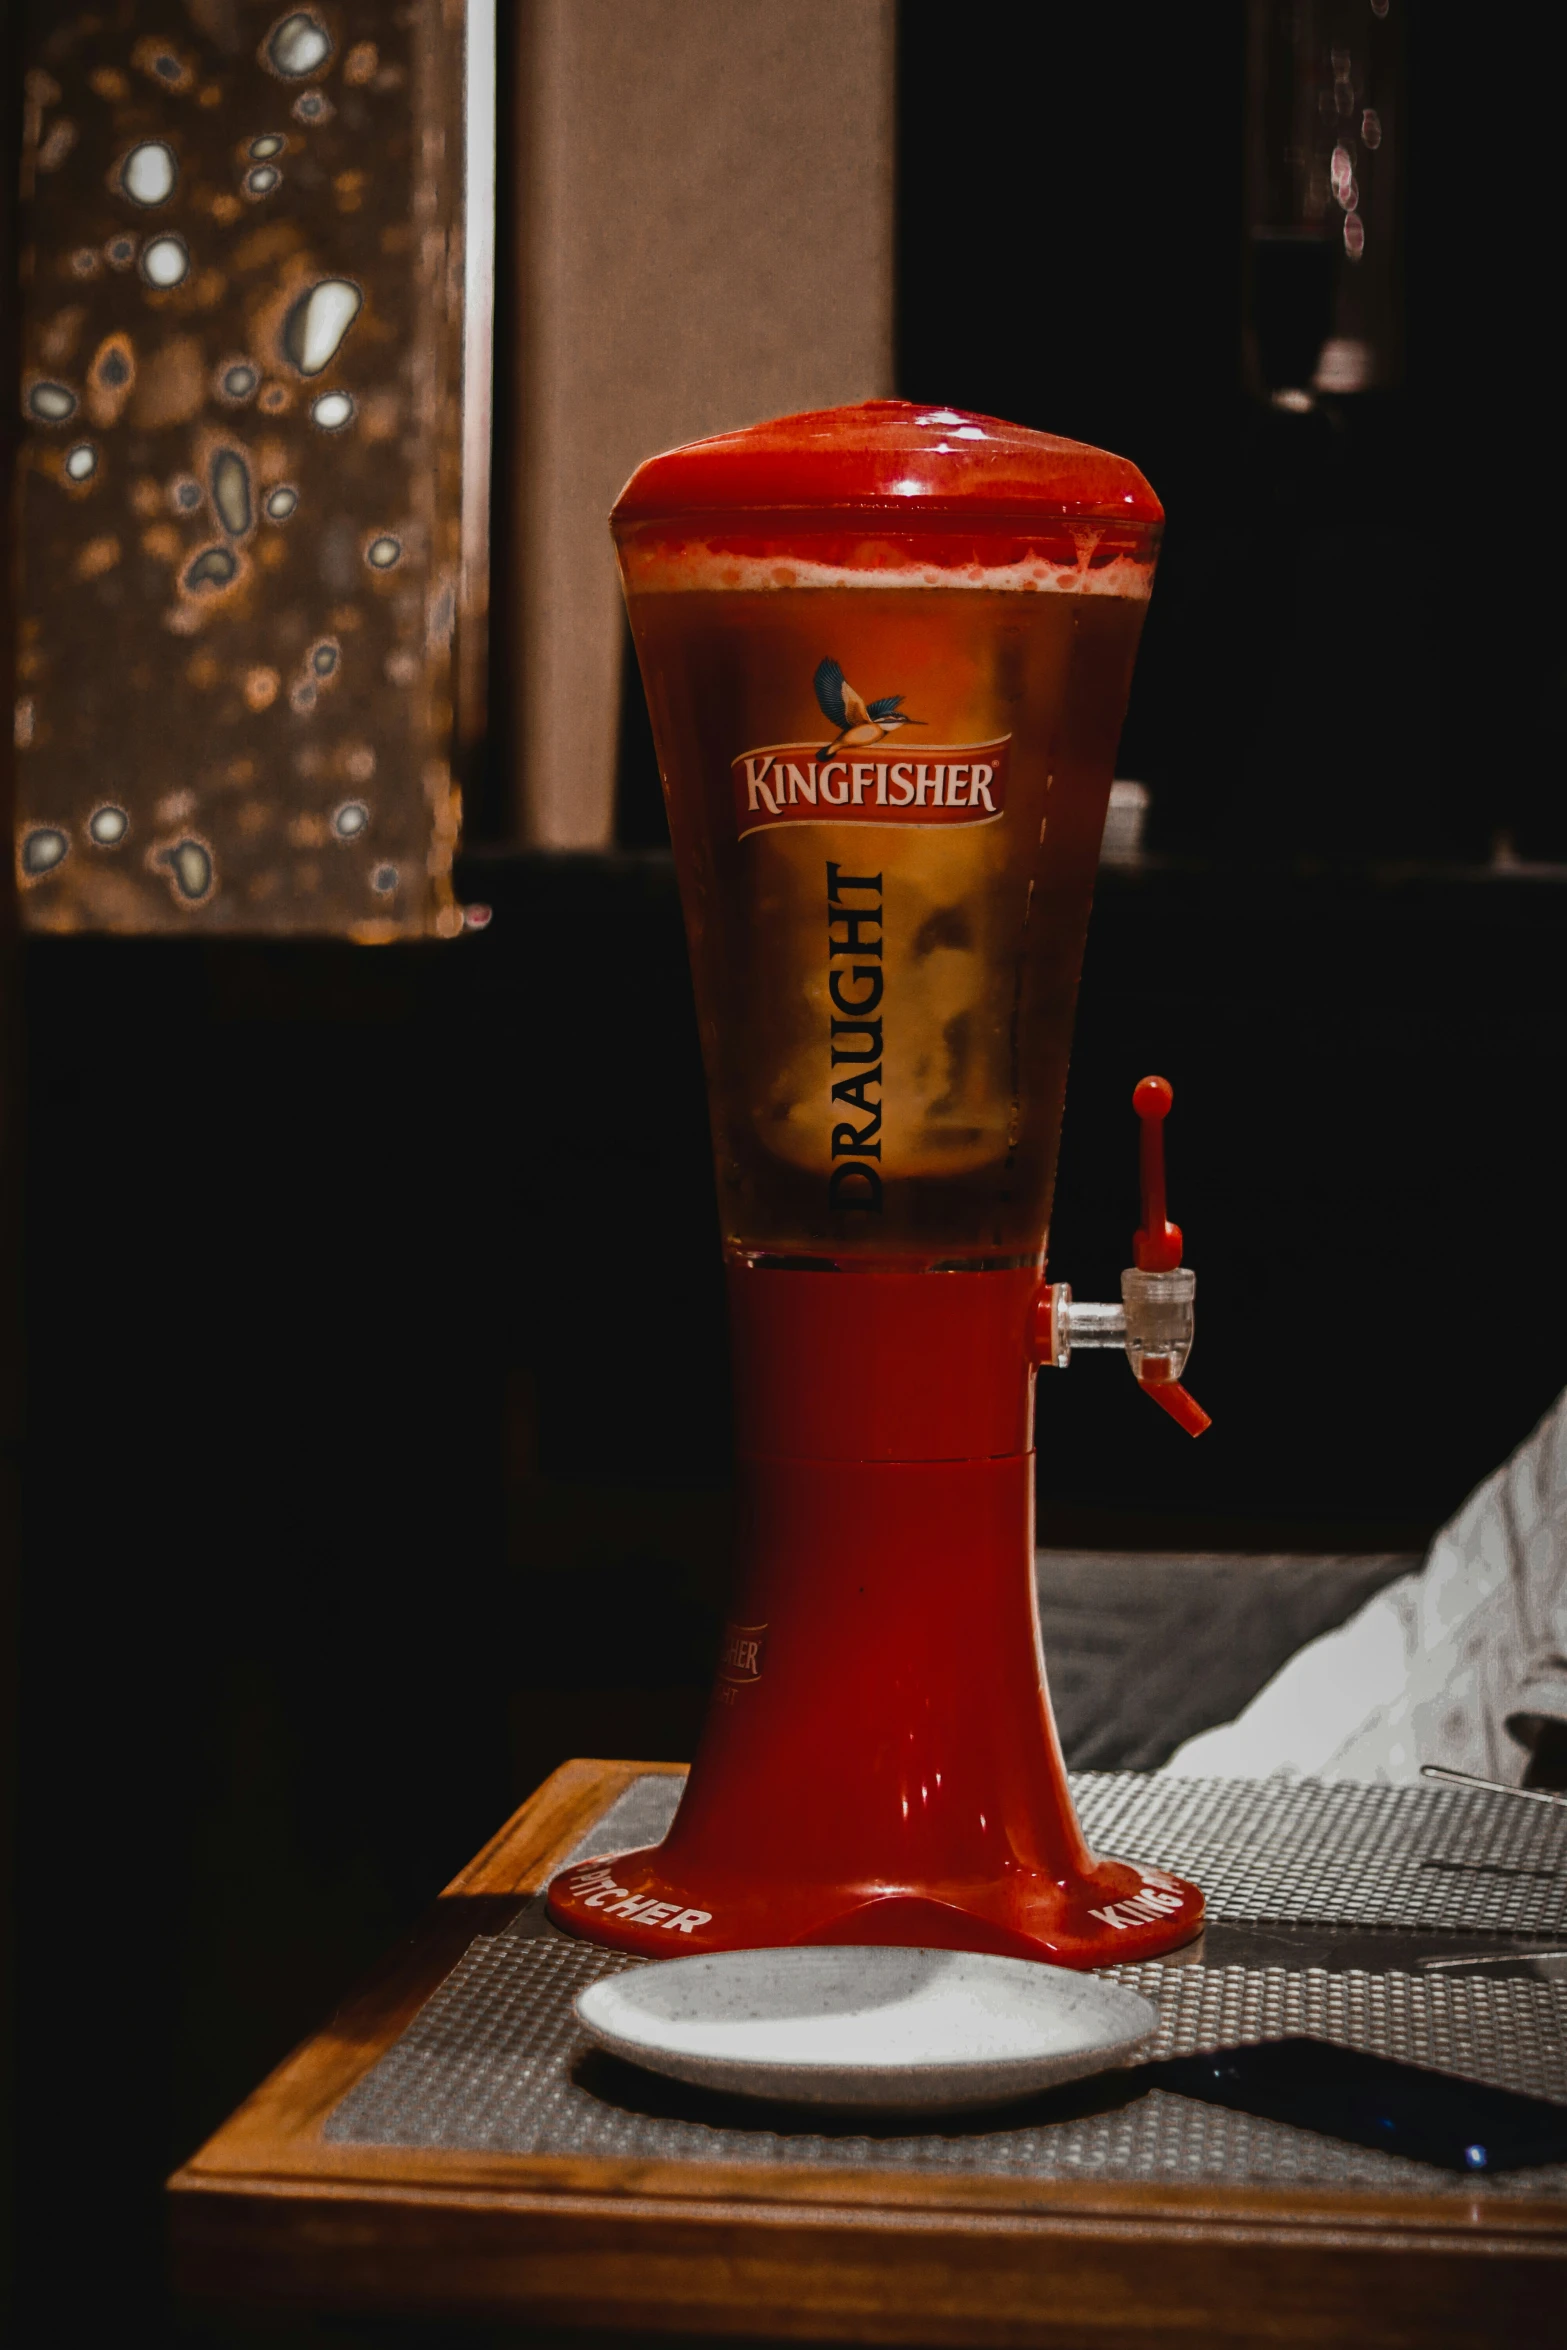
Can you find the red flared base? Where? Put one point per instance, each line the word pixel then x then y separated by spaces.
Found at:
pixel 879 1763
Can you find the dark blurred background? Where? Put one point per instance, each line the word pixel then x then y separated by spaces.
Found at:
pixel 375 1362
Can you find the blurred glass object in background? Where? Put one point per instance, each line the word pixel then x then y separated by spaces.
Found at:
pixel 1337 730
pixel 1324 115
pixel 1126 821
pixel 253 496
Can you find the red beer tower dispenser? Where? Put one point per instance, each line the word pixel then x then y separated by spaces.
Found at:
pixel 887 651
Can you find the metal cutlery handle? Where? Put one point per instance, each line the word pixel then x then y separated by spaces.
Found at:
pixel 1491 1786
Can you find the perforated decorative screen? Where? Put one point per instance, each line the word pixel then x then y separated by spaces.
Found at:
pixel 251 505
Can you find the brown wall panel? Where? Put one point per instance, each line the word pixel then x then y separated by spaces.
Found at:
pixel 705 238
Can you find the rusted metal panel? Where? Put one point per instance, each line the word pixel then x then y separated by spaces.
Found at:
pixel 247 580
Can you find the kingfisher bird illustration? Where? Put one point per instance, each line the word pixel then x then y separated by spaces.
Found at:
pixel 858 722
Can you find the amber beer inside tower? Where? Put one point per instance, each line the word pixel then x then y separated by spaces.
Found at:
pixel 887 652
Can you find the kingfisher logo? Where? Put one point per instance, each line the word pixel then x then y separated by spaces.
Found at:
pixel 855 779
pixel 745 1645
pixel 859 723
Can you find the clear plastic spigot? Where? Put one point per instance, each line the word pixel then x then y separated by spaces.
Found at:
pixel 1157 1322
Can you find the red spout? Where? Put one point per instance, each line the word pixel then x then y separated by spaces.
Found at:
pixel 1183 1409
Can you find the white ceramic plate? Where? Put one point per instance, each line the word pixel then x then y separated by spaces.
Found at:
pixel 834 2025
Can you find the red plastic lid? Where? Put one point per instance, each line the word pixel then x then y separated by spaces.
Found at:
pixel 894 459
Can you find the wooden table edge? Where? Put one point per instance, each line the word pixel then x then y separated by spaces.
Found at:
pixel 890 2201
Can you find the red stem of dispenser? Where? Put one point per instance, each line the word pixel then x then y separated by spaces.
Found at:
pixel 1156 1246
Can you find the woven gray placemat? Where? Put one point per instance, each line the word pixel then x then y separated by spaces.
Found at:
pixel 496 2062
pixel 642 1814
pixel 1306 1852
pixel 495 2059
pixel 1311 1852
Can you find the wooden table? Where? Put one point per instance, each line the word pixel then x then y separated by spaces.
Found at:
pixel 270 2212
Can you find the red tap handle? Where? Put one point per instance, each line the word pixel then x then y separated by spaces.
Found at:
pixel 1156 1245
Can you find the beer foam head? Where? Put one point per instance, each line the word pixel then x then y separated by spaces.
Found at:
pixel 889 493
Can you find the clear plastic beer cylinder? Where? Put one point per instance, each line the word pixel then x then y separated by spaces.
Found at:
pixel 886 651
